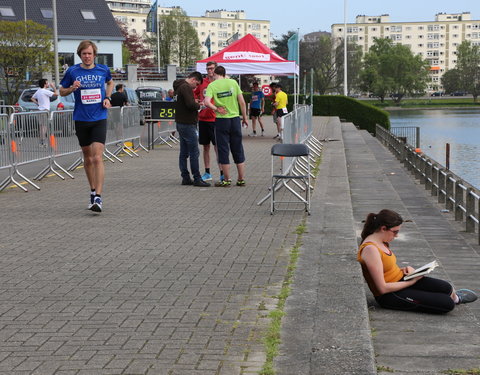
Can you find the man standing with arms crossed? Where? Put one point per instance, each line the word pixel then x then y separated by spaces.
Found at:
pixel 186 117
pixel 228 99
pixel 87 81
pixel 206 122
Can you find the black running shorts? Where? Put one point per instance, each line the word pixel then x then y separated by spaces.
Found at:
pixel 91 131
pixel 206 132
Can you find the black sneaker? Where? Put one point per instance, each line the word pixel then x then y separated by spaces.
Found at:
pixel 466 296
pixel 201 183
pixel 187 182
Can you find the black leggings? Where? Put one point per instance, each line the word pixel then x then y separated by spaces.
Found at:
pixel 426 295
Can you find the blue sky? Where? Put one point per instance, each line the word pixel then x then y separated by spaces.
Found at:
pixel 319 15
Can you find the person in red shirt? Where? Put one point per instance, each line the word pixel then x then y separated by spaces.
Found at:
pixel 206 122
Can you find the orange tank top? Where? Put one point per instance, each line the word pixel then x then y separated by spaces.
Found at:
pixel 391 272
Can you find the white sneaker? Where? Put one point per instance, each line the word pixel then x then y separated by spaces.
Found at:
pixel 252 134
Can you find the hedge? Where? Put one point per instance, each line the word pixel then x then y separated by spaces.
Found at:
pixel 363 115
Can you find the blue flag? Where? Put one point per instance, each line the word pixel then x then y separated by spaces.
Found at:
pixel 152 18
pixel 208 45
pixel 293 48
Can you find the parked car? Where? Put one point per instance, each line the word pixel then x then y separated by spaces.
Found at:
pixel 458 93
pixel 437 93
pixel 57 103
pixel 148 94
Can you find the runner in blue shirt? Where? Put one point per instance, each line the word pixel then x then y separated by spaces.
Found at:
pixel 257 106
pixel 87 81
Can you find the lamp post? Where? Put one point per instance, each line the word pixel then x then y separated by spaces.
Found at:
pixel 345 88
pixel 55 43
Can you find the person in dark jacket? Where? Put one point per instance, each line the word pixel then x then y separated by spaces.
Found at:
pixel 186 117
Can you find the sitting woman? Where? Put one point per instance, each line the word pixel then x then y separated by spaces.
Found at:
pixel 385 277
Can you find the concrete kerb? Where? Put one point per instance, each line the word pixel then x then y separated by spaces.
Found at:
pixel 326 328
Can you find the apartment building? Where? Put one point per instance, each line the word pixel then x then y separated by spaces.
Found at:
pixel 224 26
pixel 221 25
pixel 436 41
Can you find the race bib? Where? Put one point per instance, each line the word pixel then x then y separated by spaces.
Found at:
pixel 91 96
pixel 285 110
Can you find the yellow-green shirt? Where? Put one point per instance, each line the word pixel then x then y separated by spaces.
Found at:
pixel 281 99
pixel 225 92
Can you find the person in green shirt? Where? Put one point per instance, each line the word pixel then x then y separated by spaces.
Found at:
pixel 229 103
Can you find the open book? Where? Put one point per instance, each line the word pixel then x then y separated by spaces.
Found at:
pixel 427 268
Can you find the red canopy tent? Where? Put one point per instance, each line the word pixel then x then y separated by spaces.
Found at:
pixel 250 56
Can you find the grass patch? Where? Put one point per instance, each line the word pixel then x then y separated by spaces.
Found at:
pixel 272 338
pixel 473 371
pixel 385 369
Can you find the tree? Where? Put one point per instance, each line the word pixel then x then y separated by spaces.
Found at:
pixel 133 48
pixel 25 47
pixel 468 66
pixel 393 69
pixel 354 65
pixel 451 81
pixel 178 40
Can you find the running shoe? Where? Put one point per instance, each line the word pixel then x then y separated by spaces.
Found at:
pixel 97 205
pixel 252 134
pixel 466 296
pixel 241 183
pixel 92 197
pixel 223 183
pixel 207 177
pixel 187 181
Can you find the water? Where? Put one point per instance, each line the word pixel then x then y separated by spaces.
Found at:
pixel 459 127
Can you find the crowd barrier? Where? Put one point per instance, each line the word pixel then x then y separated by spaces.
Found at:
pixel 457 195
pixel 161 132
pixel 297 129
pixel 41 138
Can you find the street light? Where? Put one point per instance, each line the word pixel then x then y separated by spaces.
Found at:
pixel 55 42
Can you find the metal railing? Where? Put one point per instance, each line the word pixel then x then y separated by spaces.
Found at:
pixel 40 138
pixel 457 195
pixel 410 134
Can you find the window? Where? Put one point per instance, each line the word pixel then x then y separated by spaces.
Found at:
pixel 352 30
pixel 7 12
pixel 47 13
pixel 105 59
pixel 88 14
pixel 65 58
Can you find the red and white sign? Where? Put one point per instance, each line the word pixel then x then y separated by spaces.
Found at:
pixel 267 90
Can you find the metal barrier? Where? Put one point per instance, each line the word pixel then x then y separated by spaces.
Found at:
pixel 132 129
pixel 457 195
pixel 62 141
pixel 161 132
pixel 42 138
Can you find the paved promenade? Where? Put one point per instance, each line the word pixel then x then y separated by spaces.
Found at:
pixel 178 280
pixel 169 279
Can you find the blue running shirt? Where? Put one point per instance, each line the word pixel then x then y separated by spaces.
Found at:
pixel 89 97
pixel 256 102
